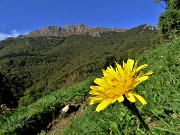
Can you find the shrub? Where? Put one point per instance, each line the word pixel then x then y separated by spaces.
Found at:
pixel 169 24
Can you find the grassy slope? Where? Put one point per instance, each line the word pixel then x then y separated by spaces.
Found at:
pixel 161 92
pixel 31 119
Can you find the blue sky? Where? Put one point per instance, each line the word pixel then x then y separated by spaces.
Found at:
pixel 23 16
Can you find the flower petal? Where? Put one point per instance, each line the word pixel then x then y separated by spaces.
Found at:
pixel 141 79
pixel 148 73
pixel 130 64
pixel 96 99
pixel 97 88
pixel 141 67
pixel 98 81
pixel 135 65
pixel 139 98
pixel 104 104
pixel 120 70
pixel 101 82
pixel 108 74
pixel 120 99
pixel 130 97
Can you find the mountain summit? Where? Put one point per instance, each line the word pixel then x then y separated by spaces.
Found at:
pixel 70 29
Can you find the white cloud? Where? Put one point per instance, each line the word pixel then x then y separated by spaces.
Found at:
pixel 13 33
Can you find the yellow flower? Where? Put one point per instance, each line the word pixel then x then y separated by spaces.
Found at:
pixel 115 84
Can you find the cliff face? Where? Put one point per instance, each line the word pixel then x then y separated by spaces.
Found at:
pixel 69 30
pixel 47 31
pixel 146 26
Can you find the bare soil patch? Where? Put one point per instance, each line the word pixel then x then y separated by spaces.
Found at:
pixel 57 126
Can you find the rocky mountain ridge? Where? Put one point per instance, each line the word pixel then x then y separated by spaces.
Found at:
pixel 79 29
pixel 69 30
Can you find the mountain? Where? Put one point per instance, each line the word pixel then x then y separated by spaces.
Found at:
pixel 33 65
pixel 69 30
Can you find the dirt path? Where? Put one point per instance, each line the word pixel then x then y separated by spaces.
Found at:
pixel 64 120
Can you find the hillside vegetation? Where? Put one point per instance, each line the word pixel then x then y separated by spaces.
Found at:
pixel 36 66
pixel 161 91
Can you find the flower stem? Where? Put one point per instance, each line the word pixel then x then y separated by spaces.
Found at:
pixel 134 110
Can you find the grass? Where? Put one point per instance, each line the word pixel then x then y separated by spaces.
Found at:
pixel 31 119
pixel 161 91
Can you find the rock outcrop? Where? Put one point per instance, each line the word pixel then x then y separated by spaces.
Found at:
pixel 146 26
pixel 69 30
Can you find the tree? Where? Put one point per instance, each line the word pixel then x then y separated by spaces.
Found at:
pixel 6 95
pixel 170 4
pixel 169 21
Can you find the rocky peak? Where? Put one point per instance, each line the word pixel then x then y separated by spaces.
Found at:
pixel 47 31
pixel 51 28
pixel 147 26
pixel 70 29
pixel 78 29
